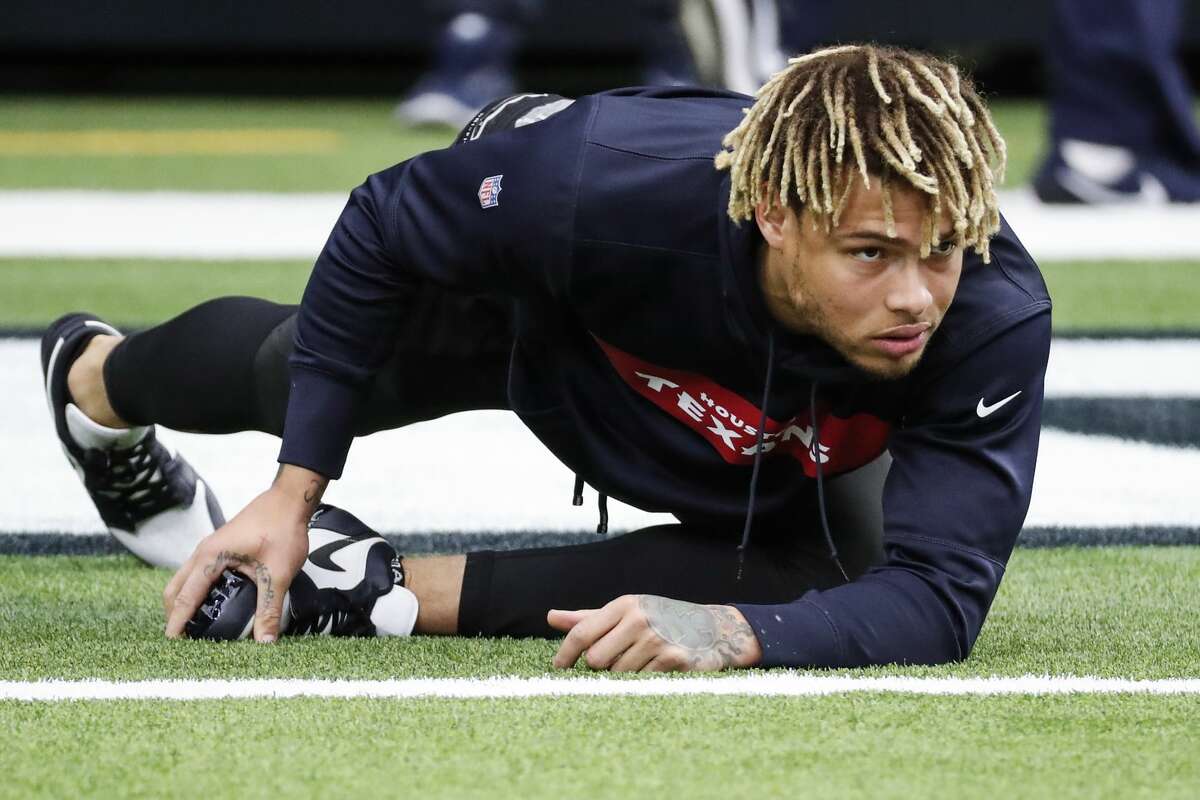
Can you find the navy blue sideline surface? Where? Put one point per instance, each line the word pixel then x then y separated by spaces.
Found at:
pixel 98 544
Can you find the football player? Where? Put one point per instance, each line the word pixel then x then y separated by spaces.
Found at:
pixel 746 312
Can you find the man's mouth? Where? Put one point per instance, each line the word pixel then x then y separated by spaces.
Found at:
pixel 903 340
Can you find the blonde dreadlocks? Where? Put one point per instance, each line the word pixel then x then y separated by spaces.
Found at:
pixel 907 116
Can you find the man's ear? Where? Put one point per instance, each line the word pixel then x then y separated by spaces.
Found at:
pixel 771 217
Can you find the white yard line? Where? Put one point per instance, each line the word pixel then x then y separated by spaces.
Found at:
pixel 772 685
pixel 483 471
pixel 203 225
pixel 248 225
pixel 1124 368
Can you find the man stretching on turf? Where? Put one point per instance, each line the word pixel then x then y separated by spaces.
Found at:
pixel 718 341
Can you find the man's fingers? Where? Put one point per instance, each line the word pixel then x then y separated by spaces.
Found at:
pixel 188 598
pixel 176 583
pixel 662 663
pixel 585 633
pixel 272 583
pixel 565 620
pixel 605 651
pixel 639 654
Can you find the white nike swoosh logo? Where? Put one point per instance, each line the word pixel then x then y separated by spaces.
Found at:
pixel 984 410
pixel 352 558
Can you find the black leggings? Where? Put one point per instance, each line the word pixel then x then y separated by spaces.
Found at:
pixel 222 367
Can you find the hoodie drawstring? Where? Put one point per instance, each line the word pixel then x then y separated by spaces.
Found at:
pixel 577 500
pixel 815 452
pixel 602 528
pixel 758 452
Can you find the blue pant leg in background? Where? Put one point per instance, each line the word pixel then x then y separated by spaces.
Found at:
pixel 1117 83
pixel 472 60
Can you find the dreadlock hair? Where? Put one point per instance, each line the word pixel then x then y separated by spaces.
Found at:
pixel 909 118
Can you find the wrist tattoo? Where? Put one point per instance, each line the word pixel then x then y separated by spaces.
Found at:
pixel 712 637
pixel 311 494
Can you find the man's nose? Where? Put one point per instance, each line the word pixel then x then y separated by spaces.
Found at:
pixel 909 293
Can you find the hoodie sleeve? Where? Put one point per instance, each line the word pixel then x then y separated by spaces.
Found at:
pixel 482 217
pixel 954 502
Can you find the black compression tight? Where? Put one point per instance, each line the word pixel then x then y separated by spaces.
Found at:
pixel 196 372
pixel 222 367
pixel 507 593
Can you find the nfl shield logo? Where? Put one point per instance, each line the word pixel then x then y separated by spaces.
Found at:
pixel 489 192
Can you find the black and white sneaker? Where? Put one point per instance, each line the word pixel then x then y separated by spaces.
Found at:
pixel 150 498
pixel 352 584
pixel 1079 172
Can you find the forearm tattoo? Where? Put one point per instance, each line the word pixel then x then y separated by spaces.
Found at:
pixel 711 636
pixel 262 575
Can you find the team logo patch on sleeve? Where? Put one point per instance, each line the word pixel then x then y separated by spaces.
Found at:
pixel 489 191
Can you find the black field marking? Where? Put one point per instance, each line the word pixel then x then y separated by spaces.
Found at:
pixel 1108 537
pixel 1146 334
pixel 1162 420
pixel 99 544
pixel 1128 333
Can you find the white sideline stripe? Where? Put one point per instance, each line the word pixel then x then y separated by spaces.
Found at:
pixel 258 225
pixel 1123 368
pixel 787 685
pixel 511 482
pixel 208 225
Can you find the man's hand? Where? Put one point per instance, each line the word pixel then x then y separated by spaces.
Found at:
pixel 266 541
pixel 655 634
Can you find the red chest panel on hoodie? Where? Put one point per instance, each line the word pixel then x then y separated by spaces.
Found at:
pixel 730 423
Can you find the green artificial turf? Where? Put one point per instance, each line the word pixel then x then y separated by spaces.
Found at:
pixel 695 747
pixel 367 140
pixel 1115 295
pixel 1129 612
pixel 134 292
pixel 1123 295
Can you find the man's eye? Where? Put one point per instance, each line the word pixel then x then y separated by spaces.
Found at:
pixel 944 249
pixel 868 254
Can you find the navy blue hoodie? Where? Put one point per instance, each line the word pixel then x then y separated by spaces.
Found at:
pixel 641 356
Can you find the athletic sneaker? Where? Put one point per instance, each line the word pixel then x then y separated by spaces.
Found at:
pixel 452 100
pixel 1079 172
pixel 150 498
pixel 472 67
pixel 352 584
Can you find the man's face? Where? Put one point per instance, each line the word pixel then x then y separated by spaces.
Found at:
pixel 870 296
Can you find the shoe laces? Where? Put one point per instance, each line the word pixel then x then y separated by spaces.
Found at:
pixel 132 481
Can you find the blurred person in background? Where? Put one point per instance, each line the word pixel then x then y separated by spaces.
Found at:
pixel 473 58
pixel 1122 128
pixel 736 44
pixel 1122 125
pixel 728 43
